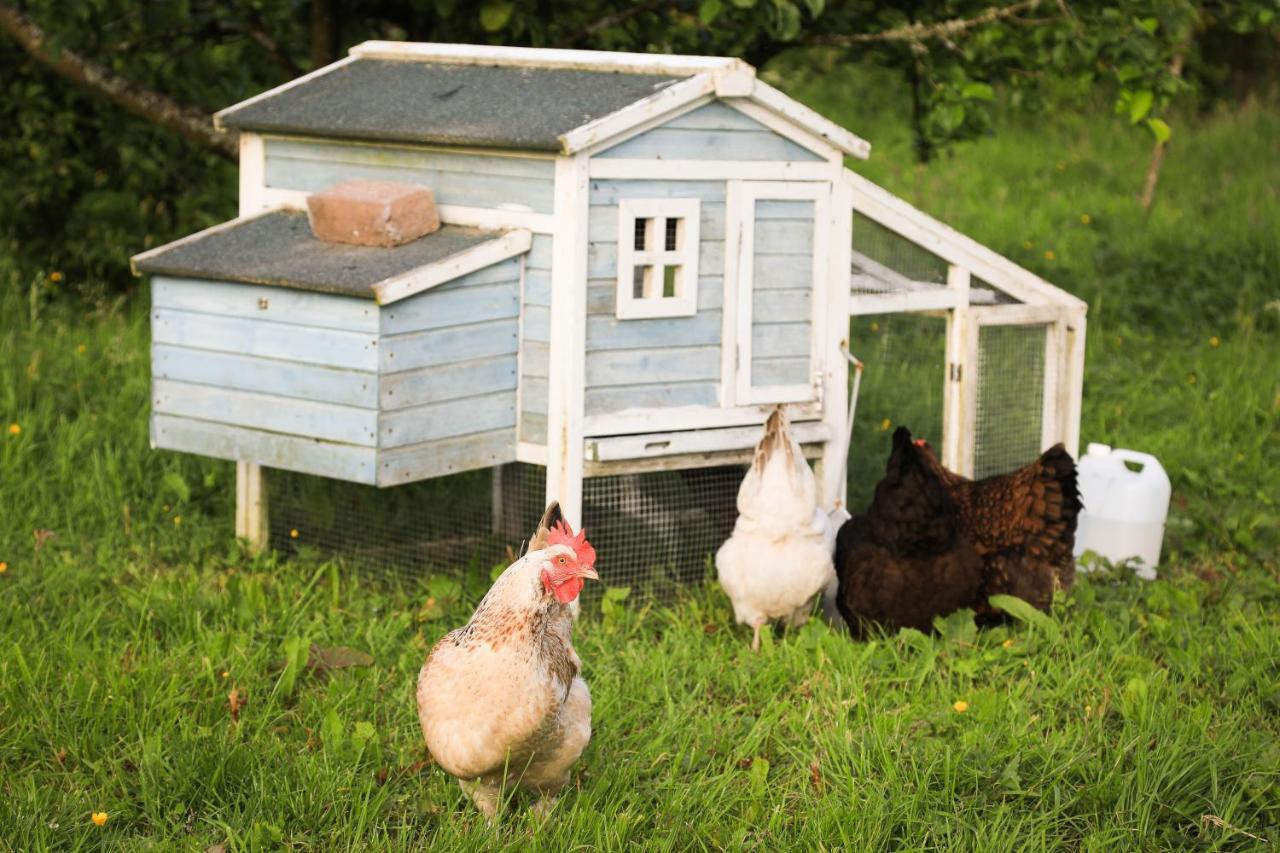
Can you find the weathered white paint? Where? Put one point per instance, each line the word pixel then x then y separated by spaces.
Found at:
pixel 684 301
pixel 446 456
pixel 615 448
pixel 641 420
pixel 960 398
pixel 530 57
pixel 252 523
pixel 265 375
pixel 261 302
pixel 806 119
pixel 453 267
pixel 714 132
pixel 284 87
pixel 450 418
pixel 832 467
pixel 287 341
pixel 436 347
pixel 460 379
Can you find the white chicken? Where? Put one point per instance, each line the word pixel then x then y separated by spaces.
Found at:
pixel 501 700
pixel 779 557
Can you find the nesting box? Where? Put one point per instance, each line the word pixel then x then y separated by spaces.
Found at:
pixel 641 255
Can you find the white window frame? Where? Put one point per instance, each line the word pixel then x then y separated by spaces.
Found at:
pixel 685 302
pixel 740 249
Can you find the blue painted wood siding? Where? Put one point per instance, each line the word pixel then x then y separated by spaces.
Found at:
pixel 471 180
pixel 713 132
pixel 535 339
pixel 335 386
pixel 782 293
pixel 661 362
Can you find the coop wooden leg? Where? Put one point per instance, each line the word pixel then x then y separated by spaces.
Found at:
pixel 251 505
pixel 496 502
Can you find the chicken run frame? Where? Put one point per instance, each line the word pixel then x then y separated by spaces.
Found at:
pixel 642 255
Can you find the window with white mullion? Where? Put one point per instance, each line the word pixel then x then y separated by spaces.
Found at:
pixel 657 258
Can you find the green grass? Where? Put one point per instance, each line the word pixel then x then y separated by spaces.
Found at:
pixel 1137 711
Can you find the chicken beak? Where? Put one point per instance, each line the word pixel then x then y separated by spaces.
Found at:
pixel 588 572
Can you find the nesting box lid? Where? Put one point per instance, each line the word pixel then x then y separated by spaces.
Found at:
pixel 277 248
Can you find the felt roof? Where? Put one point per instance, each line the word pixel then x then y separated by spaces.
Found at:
pixel 277 248
pixel 525 108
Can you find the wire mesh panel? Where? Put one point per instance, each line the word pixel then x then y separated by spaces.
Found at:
pixel 902 385
pixel 655 531
pixel 892 251
pixel 1011 388
pixel 447 523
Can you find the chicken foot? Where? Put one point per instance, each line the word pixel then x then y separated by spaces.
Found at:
pixel 484 794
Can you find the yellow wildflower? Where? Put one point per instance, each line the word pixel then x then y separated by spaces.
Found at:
pixel 1026 244
pixel 1008 644
pixel 1085 219
pixel 14 429
pixel 1049 254
pixel 99 818
pixel 960 706
pixel 885 424
pixel 1191 379
pixel 56 277
pixel 1061 167
pixel 4 567
pixel 177 519
pixel 293 534
pixel 225 673
pixel 1215 341
pixel 81 349
pixel 875 327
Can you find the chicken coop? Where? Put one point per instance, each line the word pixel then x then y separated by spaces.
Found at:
pixel 641 256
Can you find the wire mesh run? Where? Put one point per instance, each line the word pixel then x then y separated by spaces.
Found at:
pixel 903 385
pixel 466 520
pixel 896 253
pixel 1011 387
pixel 652 531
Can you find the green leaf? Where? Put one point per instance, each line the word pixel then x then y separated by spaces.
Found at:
pixel 978 91
pixel 296 652
pixel 788 20
pixel 1159 129
pixel 175 483
pixel 331 732
pixel 815 7
pixel 744 4
pixel 495 14
pixel 709 10
pixel 759 778
pixel 363 733
pixel 1140 105
pixel 1149 24
pixel 959 627
pixel 1024 612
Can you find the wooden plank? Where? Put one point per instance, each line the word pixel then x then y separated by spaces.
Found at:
pixel 797 113
pixel 537 359
pixel 447 456
pixel 535 393
pixel 441 308
pixel 792 305
pixel 651 445
pixel 611 192
pixel 784 238
pixel 539 257
pixel 252 523
pixel 787 209
pixel 642 114
pixel 253 173
pixel 678 143
pixel 890 303
pixel 331 347
pixel 600 401
pixel 537 324
pixel 450 187
pixel 607 332
pixel 288 452
pixel 453 267
pixel 644 366
pixel 529 57
pixel 264 375
pixel 533 430
pixel 780 371
pixel 537 287
pixel 445 346
pixel 446 382
pixel 778 340
pixel 782 272
pixel 704 170
pixel 716 115
pixel 602 294
pixel 693 417
pixel 291 416
pixel 398 156
pixel 447 419
pixel 257 302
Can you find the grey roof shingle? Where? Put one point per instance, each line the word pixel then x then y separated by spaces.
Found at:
pixel 487 106
pixel 278 249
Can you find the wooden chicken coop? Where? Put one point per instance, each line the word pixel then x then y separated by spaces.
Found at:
pixel 642 255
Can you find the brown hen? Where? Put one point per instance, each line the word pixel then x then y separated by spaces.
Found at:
pixel 933 542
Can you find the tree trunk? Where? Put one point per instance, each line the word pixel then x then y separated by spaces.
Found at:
pixel 149 104
pixel 324 32
pixel 1157 152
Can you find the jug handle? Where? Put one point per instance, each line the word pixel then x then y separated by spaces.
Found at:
pixel 1146 460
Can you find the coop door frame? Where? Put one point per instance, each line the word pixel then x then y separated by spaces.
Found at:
pixel 967 325
pixel 740 206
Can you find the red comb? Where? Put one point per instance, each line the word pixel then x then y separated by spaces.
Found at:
pixel 562 534
pixel 919 442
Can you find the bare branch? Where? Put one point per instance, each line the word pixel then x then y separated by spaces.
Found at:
pixel 917 33
pixel 147 103
pixel 616 18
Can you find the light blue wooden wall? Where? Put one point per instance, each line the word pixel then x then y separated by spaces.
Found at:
pixel 535 339
pixel 652 363
pixel 335 386
pixel 713 132
pixel 472 180
pixel 781 293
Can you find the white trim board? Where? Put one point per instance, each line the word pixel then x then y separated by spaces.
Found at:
pixel 453 267
pixel 652 445
pixel 671 419
pixel 710 170
pixel 532 57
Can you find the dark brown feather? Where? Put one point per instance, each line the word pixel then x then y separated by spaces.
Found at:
pixel 933 542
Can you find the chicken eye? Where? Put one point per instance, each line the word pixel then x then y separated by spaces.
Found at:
pixel 562 560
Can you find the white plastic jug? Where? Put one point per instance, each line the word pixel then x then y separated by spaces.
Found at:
pixel 1124 510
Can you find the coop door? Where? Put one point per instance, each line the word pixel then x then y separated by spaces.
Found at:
pixel 776 256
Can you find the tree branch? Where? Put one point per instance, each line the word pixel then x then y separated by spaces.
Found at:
pixel 918 33
pixel 149 104
pixel 616 18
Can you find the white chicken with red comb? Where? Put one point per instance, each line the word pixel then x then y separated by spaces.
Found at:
pixel 501 700
pixel 778 558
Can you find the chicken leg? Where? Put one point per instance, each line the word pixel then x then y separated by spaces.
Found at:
pixel 485 795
